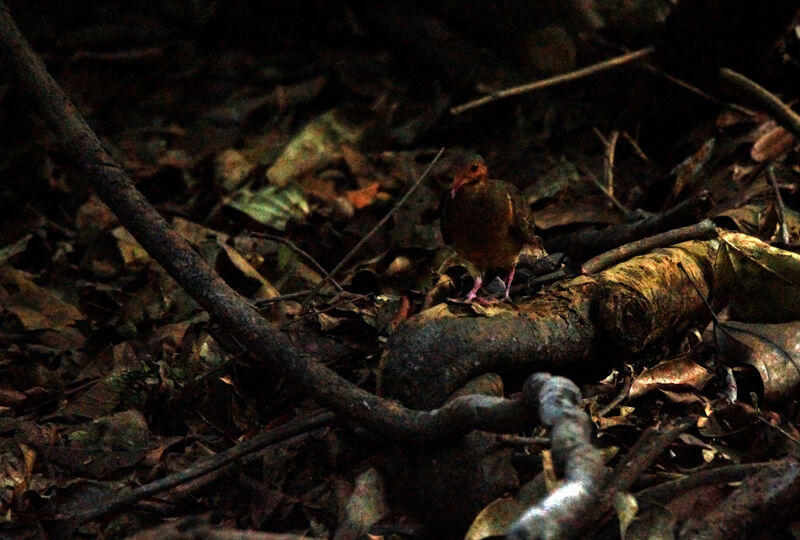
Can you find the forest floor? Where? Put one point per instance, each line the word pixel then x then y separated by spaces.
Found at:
pixel 277 143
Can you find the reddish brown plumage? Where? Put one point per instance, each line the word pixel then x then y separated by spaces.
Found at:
pixel 487 221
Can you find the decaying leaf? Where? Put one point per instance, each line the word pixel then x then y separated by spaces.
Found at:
pixel 131 251
pixel 271 205
pixel 197 234
pixel 102 447
pixel 763 282
pixel 626 508
pixel 495 519
pixel 690 168
pixel 671 374
pixel 259 286
pixel 231 168
pixel 16 469
pixel 365 506
pixel 773 349
pixel 14 249
pixel 315 147
pixel 362 197
pixel 35 307
pixel 754 219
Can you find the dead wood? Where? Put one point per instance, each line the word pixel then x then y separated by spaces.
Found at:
pixel 584 244
pixel 562 513
pixel 772 493
pixel 698 231
pixel 198 470
pixel 565 329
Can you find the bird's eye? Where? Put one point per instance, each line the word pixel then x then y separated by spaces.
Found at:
pixel 473 167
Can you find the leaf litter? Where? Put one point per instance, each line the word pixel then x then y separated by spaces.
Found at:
pixel 113 377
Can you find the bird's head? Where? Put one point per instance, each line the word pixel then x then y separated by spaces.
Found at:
pixel 471 170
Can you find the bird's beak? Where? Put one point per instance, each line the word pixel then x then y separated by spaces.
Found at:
pixel 457 183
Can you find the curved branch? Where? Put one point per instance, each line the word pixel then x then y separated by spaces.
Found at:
pixel 233 313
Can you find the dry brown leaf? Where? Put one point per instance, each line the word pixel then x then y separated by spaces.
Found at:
pixel 772 145
pixel 671 374
pixel 36 308
pixel 363 197
pixel 773 349
pixel 263 288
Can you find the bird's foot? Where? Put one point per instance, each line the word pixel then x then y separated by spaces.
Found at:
pixel 473 297
pixel 473 294
pixel 495 298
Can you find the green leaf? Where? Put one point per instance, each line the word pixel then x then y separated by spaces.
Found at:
pixel 272 205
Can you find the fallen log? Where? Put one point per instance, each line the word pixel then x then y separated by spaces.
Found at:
pixel 586 323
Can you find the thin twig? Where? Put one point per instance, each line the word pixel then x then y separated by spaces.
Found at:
pixel 264 302
pixel 782 114
pixel 782 229
pixel 545 279
pixel 696 91
pixel 600 135
pixel 608 161
pixel 659 494
pixel 295 248
pixel 699 294
pixel 636 148
pixel 618 399
pixel 518 440
pixel 558 79
pixel 292 428
pixel 375 229
pixel 704 229
pixel 602 188
pixel 329 308
pixel 779 429
pixel 121 57
pixel 653 442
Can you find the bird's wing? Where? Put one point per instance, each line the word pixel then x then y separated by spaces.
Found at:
pixel 522 225
pixel 444 223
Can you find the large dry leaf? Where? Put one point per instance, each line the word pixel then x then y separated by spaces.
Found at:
pixel 773 349
pixel 258 286
pixel 365 506
pixel 678 373
pixel 755 218
pixel 318 145
pixel 35 307
pixel 763 282
pixel 495 519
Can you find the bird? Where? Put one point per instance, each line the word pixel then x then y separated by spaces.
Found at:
pixel 487 222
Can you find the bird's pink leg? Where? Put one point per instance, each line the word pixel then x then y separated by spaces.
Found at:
pixel 508 282
pixel 475 288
